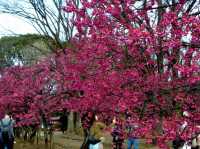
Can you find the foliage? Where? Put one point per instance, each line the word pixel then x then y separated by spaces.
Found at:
pixel 23 49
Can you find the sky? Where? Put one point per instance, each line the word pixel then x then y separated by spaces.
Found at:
pixel 12 25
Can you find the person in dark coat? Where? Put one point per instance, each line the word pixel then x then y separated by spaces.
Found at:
pixel 64 121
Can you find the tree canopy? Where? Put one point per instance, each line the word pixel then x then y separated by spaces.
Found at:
pixel 23 49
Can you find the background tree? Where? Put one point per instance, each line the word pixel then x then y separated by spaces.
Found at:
pixel 23 49
pixel 47 17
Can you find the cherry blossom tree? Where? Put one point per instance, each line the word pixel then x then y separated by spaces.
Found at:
pixel 138 55
pixel 30 93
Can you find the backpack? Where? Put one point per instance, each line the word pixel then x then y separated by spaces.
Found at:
pixel 6 131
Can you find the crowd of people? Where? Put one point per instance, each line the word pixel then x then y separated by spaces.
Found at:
pixel 95 137
pixel 94 133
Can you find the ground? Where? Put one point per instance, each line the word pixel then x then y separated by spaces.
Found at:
pixel 69 141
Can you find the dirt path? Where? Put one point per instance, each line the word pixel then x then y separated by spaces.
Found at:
pixel 69 141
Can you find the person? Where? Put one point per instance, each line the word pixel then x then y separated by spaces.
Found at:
pixel 64 121
pixel 118 133
pixel 87 120
pixel 196 140
pixel 179 142
pixel 6 126
pixel 1 140
pixel 132 138
pixel 96 137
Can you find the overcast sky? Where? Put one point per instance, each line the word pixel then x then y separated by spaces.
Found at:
pixel 10 25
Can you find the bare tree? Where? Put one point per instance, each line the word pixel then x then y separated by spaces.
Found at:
pixel 46 16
